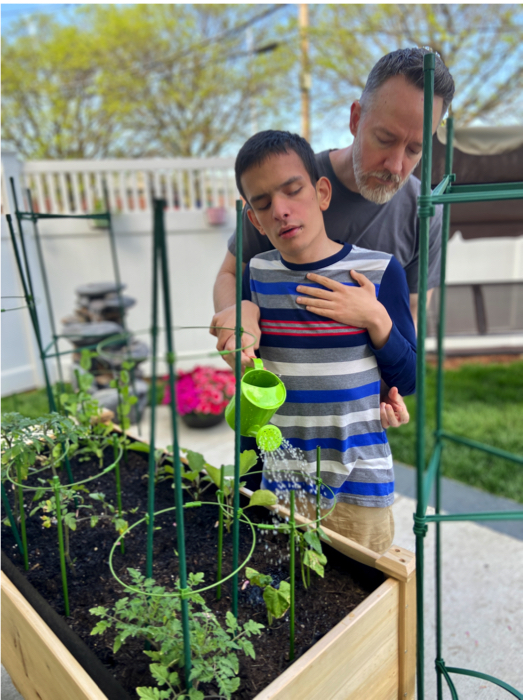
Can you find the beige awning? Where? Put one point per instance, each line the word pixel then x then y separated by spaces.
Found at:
pixel 484 140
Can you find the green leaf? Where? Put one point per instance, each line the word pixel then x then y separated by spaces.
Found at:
pixel 278 600
pixel 196 461
pixel 258 579
pixel 117 644
pixel 315 561
pixel 263 497
pixel 148 693
pixel 248 459
pixel 94 520
pixel 196 694
pixel 139 447
pixel 313 540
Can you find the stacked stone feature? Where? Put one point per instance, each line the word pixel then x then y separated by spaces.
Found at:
pixel 99 315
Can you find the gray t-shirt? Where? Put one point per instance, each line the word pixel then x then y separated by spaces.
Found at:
pixel 390 228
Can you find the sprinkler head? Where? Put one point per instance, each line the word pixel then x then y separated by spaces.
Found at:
pixel 269 438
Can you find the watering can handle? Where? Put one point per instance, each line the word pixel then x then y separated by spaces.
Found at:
pixel 258 364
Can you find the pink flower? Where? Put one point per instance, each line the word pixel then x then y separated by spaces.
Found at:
pixel 203 390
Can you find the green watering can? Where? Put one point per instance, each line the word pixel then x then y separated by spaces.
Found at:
pixel 262 393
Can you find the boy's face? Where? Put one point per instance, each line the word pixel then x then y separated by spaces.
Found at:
pixel 287 208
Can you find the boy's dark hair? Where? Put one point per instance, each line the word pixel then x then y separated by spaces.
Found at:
pixel 409 63
pixel 267 143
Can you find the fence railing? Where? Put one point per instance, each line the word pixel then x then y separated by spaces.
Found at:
pixel 76 186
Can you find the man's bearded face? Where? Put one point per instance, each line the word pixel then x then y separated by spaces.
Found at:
pixel 376 192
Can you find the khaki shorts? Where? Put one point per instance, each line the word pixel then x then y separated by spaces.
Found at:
pixel 371 527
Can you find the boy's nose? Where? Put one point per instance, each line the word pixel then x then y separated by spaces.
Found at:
pixel 280 208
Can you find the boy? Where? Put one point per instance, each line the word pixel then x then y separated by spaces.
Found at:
pixel 334 318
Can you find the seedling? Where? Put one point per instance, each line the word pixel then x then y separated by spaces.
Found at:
pixel 277 600
pixel 154 615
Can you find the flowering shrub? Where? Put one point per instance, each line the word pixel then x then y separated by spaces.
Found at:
pixel 202 390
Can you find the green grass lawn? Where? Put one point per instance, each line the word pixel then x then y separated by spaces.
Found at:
pixel 483 403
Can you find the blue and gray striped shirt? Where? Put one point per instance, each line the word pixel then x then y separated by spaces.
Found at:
pixel 332 372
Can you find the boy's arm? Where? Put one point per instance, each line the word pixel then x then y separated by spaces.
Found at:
pixel 247 339
pixel 224 320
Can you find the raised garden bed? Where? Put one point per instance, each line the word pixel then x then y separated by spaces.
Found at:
pixel 368 653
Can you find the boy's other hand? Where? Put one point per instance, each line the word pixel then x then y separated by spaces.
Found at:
pixel 223 326
pixel 393 411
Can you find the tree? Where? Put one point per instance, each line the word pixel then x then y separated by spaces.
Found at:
pixel 135 80
pixel 481 44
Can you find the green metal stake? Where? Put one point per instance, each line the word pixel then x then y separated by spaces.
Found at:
pixel 118 486
pixel 56 487
pixel 32 312
pixel 220 533
pixel 439 406
pixel 12 521
pixel 424 212
pixel 47 292
pixel 154 351
pixel 22 517
pixel 159 206
pixel 292 522
pixel 238 375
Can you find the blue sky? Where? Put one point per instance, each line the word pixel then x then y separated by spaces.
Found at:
pixel 11 12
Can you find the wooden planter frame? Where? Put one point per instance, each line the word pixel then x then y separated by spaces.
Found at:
pixel 369 655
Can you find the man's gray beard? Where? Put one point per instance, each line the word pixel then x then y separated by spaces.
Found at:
pixel 379 194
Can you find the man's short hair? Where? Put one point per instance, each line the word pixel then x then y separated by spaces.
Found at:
pixel 409 63
pixel 268 143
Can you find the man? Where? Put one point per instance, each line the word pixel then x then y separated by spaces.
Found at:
pixel 374 195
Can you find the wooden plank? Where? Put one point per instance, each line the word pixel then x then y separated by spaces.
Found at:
pixel 356 660
pixel 397 562
pixel 39 664
pixel 407 639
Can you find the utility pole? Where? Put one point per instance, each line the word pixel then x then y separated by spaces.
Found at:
pixel 251 51
pixel 305 74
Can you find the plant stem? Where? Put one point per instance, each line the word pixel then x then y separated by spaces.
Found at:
pixel 118 487
pixel 292 565
pixel 56 486
pixel 220 534
pixel 12 522
pixel 67 551
pixel 22 516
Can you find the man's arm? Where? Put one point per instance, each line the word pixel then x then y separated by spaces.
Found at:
pixel 224 320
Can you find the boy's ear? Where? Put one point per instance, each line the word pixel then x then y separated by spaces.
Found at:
pixel 254 221
pixel 355 117
pixel 324 192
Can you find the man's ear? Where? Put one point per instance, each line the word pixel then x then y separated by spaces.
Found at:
pixel 324 192
pixel 355 117
pixel 254 221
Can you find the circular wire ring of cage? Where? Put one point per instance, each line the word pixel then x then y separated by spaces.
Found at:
pixel 108 356
pixel 197 590
pixel 65 486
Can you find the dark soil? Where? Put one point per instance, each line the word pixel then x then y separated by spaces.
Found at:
pixel 318 609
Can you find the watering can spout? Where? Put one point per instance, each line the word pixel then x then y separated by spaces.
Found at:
pixel 262 394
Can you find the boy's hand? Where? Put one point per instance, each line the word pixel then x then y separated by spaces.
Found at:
pixel 353 306
pixel 223 324
pixel 393 411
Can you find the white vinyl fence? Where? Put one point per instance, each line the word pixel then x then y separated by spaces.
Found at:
pixel 200 216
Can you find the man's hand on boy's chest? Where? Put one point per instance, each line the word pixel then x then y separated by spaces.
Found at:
pixel 351 305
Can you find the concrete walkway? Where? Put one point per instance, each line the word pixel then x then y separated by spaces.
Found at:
pixel 482 574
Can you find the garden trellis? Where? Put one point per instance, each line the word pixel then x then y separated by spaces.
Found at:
pixel 446 193
pixel 60 495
